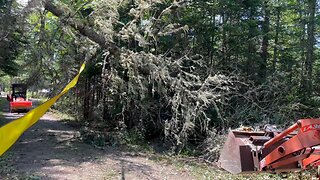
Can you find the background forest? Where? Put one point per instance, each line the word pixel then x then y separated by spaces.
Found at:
pixel 179 72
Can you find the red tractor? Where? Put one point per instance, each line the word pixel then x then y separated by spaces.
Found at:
pixel 18 99
pixel 295 149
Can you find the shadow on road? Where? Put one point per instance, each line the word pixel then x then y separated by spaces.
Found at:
pixel 53 150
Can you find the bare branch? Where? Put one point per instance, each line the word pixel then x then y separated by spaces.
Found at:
pixel 64 14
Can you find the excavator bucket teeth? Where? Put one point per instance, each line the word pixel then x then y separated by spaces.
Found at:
pixel 237 156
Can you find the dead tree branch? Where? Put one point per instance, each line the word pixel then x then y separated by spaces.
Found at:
pixel 64 14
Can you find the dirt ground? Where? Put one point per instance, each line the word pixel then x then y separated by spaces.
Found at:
pixel 52 150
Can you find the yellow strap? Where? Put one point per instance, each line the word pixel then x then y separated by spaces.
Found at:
pixel 10 132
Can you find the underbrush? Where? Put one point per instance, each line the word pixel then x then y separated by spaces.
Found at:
pixel 199 162
pixel 131 141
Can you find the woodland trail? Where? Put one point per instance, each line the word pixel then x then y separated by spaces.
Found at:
pixel 51 149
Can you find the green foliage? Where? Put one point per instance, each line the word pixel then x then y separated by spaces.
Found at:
pixel 134 137
pixel 96 139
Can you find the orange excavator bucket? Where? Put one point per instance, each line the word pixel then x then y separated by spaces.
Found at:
pixel 295 149
pixel 237 154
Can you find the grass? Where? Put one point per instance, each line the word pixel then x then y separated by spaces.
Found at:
pixel 111 175
pixel 206 171
pixel 188 162
pixel 135 141
pixel 40 100
pixel 61 115
pixel 57 113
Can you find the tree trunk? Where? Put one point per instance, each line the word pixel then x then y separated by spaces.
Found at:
pixel 251 53
pixel 105 68
pixel 265 43
pixel 310 46
pixel 224 40
pixel 211 48
pixel 86 99
pixel 276 41
pixel 302 48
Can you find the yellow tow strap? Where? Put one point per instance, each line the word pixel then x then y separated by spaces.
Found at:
pixel 10 132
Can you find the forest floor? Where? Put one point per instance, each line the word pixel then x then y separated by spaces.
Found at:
pixel 52 149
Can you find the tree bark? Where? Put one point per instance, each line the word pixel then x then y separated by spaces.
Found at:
pixel 265 43
pixel 251 51
pixel 303 23
pixel 85 109
pixel 224 39
pixel 276 41
pixel 310 45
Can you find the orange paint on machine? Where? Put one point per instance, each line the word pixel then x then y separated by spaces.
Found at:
pixel 296 148
pixel 18 99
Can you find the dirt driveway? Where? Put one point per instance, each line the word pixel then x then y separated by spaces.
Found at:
pixel 52 150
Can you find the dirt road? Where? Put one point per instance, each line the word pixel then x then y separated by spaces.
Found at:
pixel 52 150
